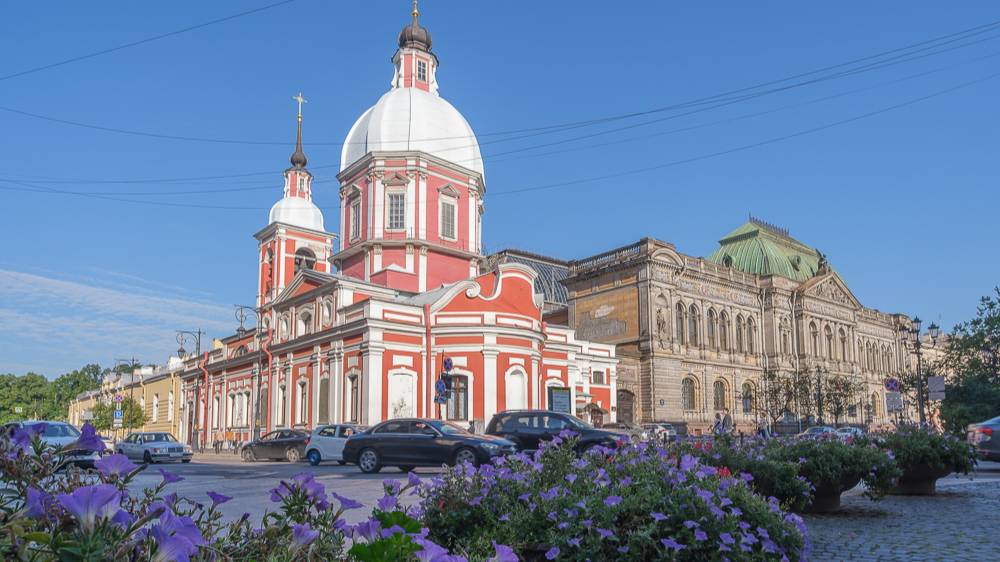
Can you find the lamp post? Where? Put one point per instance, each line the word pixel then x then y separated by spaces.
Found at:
pixel 131 385
pixel 182 336
pixel 259 335
pixel 819 393
pixel 911 334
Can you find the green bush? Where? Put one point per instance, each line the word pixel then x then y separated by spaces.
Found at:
pixel 831 464
pixel 912 446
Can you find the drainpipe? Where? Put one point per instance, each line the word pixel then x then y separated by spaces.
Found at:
pixel 427 361
pixel 208 393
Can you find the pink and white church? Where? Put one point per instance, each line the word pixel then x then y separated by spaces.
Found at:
pixel 355 326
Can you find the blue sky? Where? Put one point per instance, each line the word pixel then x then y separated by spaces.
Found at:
pixel 903 202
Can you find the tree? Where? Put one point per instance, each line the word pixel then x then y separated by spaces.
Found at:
pixel 775 397
pixel 972 355
pixel 839 394
pixel 132 417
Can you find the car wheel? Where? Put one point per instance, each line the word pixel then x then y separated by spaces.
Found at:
pixel 147 458
pixel 185 460
pixel 405 468
pixel 465 455
pixel 341 463
pixel 292 455
pixel 369 461
pixel 248 455
pixel 314 457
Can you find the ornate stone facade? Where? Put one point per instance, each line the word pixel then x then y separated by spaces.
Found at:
pixel 694 336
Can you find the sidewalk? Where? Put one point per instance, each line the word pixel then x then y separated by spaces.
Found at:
pixel 209 455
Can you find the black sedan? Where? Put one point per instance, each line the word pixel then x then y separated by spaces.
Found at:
pixel 282 444
pixel 409 443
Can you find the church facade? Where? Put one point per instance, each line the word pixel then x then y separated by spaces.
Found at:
pixel 356 327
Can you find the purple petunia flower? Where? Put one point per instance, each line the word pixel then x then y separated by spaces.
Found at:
pixel 571 478
pixel 700 535
pixel 346 503
pixel 122 519
pixel 605 533
pixel 37 504
pixel 688 462
pixel 177 538
pixel 657 516
pixel 552 553
pixel 623 549
pixel 367 530
pixel 218 499
pixel 690 524
pixel 387 503
pixel 430 551
pixel 22 437
pixel 612 501
pixel 115 465
pixel 306 481
pixel 574 541
pixel 392 486
pixel 671 544
pixel 89 440
pixel 505 517
pixel 303 534
pixel 412 479
pixel 170 477
pixel 727 538
pixel 550 494
pixel 91 503
pixel 504 553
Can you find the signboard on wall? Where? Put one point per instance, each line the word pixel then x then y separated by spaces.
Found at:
pixel 559 400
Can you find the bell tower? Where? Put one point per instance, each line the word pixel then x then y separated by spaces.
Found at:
pixel 295 238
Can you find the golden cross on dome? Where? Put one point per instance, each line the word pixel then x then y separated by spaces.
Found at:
pixel 416 12
pixel 301 101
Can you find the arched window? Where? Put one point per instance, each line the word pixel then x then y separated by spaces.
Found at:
pixel 693 325
pixel 814 339
pixel 215 412
pixel 230 409
pixel 751 334
pixel 458 402
pixel 326 313
pixel 747 398
pixel 304 259
pixel 843 345
pixel 828 339
pixel 724 331
pixel 279 406
pixel 885 360
pixel 719 398
pixel 711 328
pixel 687 394
pixel 739 333
pixel 680 323
pixel 305 324
pixel 875 406
pixel 515 389
pixel 302 409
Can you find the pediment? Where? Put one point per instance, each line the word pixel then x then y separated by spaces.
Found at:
pixel 396 179
pixel 830 287
pixel 449 190
pixel 303 282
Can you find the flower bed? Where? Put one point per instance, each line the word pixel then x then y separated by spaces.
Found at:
pixel 637 503
pixel 923 456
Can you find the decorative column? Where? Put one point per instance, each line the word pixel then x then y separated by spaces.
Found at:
pixel 372 388
pixel 490 393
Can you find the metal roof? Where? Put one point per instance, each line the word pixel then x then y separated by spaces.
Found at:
pixel 764 249
pixel 551 272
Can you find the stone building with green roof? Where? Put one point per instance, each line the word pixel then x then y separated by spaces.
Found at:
pixel 695 336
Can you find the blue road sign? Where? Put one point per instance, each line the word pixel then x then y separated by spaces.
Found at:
pixel 119 414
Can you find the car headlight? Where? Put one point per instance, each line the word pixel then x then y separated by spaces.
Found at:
pixel 188 449
pixel 159 450
pixel 490 447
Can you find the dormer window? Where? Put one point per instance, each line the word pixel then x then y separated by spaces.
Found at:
pixel 422 71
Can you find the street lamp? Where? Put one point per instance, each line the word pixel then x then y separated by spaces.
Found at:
pixel 911 334
pixel 819 393
pixel 182 336
pixel 260 336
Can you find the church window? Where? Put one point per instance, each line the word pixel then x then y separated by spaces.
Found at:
pixel 747 398
pixel 305 324
pixel 597 377
pixel 448 227
pixel 814 338
pixel 397 211
pixel 355 220
pixel 784 342
pixel 843 345
pixel 302 184
pixel 422 70
pixel 303 403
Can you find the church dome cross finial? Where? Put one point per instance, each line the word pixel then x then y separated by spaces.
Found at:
pixel 415 13
pixel 415 35
pixel 298 158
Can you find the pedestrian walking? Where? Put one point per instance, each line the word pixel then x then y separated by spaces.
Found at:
pixel 217 442
pixel 717 426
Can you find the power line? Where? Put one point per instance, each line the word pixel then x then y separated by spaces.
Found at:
pixel 143 41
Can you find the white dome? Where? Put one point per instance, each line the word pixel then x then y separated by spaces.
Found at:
pixel 412 119
pixel 297 211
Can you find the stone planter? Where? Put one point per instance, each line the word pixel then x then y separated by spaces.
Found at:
pixel 826 498
pixel 920 480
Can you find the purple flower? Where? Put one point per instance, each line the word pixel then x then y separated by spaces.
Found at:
pixel 504 553
pixel 658 516
pixel 303 534
pixel 123 519
pixel 746 476
pixel 688 462
pixel 690 524
pixel 727 538
pixel 412 479
pixel 700 535
pixel 550 494
pixel 575 541
pixel 524 497
pixel 37 504
pixel 552 553
pixel 605 533
pixel 91 503
pixel 612 501
pixel 170 477
pixel 505 517
pixel 430 551
pixel 218 499
pixel 623 549
pixel 177 538
pixel 367 530
pixel 89 440
pixel 116 465
pixel 387 503
pixel 346 503
pixel 392 486
pixel 671 544
pixel 22 437
pixel 306 482
pixel 571 478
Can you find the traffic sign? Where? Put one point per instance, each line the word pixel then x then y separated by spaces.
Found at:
pixel 119 398
pixel 892 385
pixel 18 410
pixel 935 388
pixel 117 423
pixel 119 414
pixel 893 402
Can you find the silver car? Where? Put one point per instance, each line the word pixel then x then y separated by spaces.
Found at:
pixel 58 434
pixel 985 437
pixel 154 446
pixel 327 442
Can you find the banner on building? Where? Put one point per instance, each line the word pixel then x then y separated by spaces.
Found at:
pixel 559 400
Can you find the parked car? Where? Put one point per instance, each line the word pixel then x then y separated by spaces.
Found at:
pixel 818 432
pixel 634 431
pixel 327 442
pixel 527 428
pixel 985 437
pixel 109 444
pixel 282 444
pixel 58 434
pixel 154 446
pixel 849 433
pixel 662 431
pixel 411 442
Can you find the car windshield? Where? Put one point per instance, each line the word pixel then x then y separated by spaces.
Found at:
pixel 60 430
pixel 449 428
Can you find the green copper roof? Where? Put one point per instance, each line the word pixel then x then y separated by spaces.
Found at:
pixel 764 249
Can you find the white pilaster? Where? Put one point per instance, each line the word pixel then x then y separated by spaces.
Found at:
pixel 411 205
pixel 535 402
pixel 336 380
pixel 422 188
pixel 470 243
pixel 373 385
pixel 378 209
pixel 422 266
pixel 489 384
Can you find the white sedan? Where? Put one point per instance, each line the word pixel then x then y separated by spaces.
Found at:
pixel 327 442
